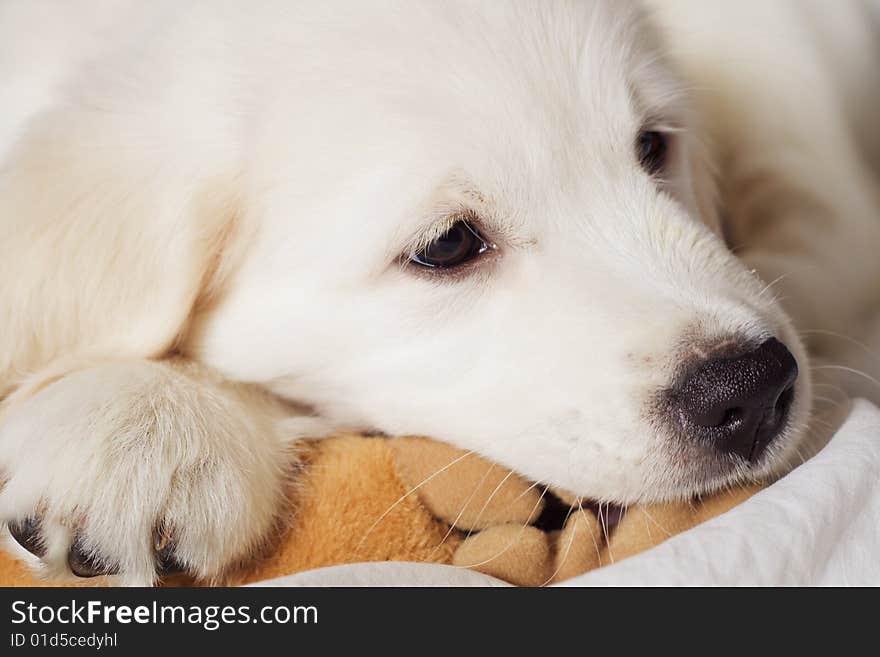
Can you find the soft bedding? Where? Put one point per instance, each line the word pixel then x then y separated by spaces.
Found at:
pixel 819 525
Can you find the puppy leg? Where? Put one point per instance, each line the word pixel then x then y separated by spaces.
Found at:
pixel 130 468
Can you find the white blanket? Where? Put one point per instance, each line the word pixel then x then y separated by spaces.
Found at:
pixel 820 525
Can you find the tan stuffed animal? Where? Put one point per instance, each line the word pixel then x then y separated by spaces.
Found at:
pixel 414 499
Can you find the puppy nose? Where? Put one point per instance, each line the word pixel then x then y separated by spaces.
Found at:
pixel 739 405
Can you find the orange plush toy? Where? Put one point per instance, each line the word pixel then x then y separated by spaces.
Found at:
pixel 413 499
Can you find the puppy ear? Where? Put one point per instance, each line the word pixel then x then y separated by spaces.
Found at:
pixel 703 176
pixel 111 229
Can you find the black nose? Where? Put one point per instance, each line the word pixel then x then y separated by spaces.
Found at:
pixel 739 405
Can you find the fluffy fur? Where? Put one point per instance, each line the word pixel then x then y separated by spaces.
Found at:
pixel 234 184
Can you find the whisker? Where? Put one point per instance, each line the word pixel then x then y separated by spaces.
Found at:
pixel 657 524
pixel 776 280
pixel 513 541
pixel 832 386
pixel 841 336
pixel 410 492
pixel 603 524
pixel 829 400
pixel 486 503
pixel 512 502
pixel 823 423
pixel 561 562
pixel 851 370
pixel 463 507
pixel 593 538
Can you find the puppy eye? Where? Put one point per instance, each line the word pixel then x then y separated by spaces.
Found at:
pixel 652 148
pixel 457 246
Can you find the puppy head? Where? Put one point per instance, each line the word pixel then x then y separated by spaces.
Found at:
pixel 493 225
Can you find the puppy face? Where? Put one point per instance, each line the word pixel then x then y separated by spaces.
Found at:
pixel 492 224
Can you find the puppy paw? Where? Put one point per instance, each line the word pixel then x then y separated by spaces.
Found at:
pixel 133 471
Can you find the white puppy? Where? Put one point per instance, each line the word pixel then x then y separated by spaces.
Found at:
pixel 501 224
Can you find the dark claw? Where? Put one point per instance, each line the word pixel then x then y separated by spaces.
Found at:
pixel 85 564
pixel 28 535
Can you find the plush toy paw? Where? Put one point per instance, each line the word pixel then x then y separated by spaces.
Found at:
pixel 525 534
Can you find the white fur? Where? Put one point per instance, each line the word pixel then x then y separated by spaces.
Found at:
pixel 234 183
